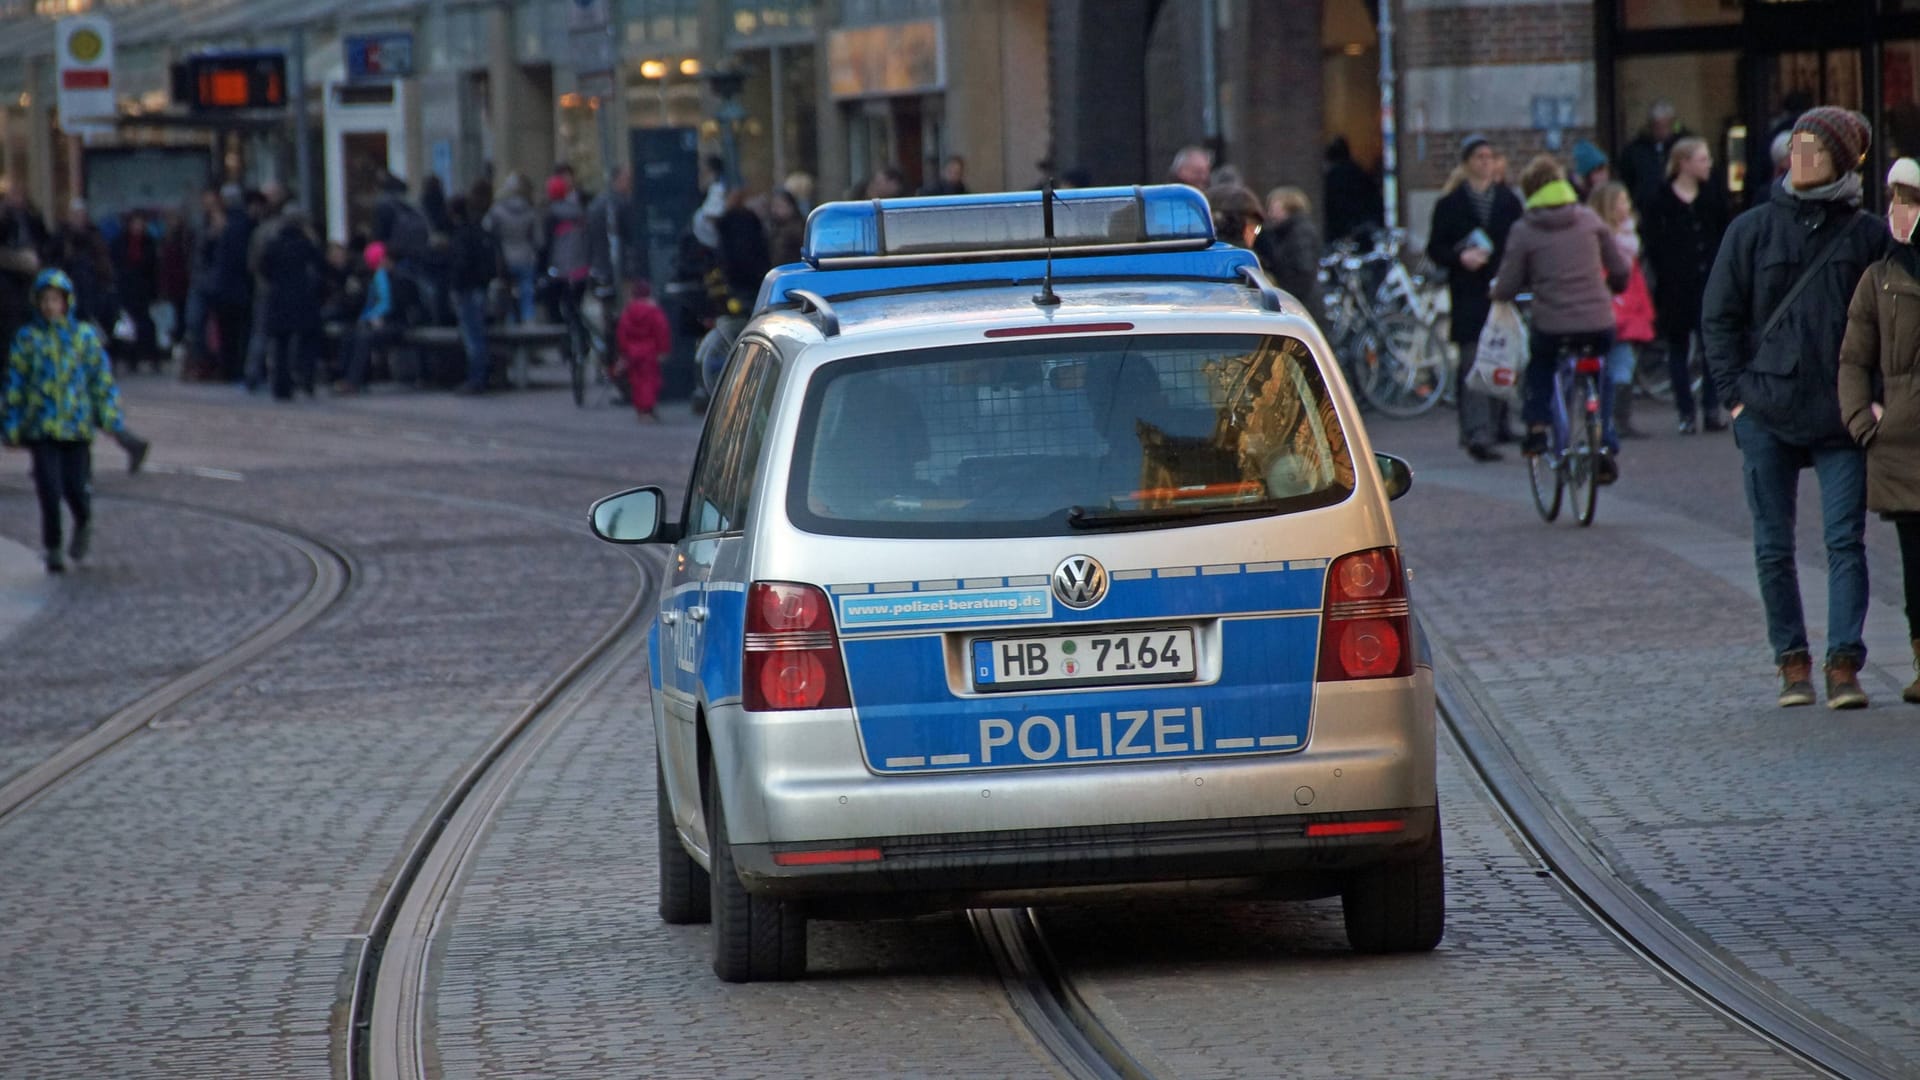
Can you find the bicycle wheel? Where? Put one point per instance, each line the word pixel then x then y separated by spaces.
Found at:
pixel 1546 481
pixel 1583 448
pixel 1411 366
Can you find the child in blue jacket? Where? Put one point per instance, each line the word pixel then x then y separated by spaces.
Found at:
pixel 60 388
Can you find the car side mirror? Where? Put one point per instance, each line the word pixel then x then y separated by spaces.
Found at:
pixel 1395 473
pixel 633 517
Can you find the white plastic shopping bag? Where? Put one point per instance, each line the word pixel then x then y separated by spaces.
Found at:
pixel 1500 363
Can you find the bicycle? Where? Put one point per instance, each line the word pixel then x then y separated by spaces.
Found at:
pixel 1575 442
pixel 1394 359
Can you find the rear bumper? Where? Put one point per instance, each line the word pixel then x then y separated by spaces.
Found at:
pixel 960 868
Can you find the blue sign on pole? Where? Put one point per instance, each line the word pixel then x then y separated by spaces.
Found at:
pixel 379 57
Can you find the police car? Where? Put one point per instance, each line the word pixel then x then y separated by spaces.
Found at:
pixel 1033 548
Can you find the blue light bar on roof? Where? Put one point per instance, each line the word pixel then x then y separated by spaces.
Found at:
pixel 1167 217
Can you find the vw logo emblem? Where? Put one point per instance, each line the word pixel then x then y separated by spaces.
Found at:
pixel 1080 581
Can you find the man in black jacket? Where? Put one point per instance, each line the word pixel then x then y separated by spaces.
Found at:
pixel 1773 318
pixel 1469 234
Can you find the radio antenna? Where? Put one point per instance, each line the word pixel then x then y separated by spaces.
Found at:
pixel 1046 297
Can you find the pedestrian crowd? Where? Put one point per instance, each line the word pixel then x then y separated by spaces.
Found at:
pixel 1800 316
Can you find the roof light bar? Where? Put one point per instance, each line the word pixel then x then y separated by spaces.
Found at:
pixel 1011 225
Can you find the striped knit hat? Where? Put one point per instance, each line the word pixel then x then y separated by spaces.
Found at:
pixel 1845 134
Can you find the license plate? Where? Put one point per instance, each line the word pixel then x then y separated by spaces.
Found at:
pixel 1033 663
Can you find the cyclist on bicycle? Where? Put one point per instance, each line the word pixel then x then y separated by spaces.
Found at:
pixel 1563 254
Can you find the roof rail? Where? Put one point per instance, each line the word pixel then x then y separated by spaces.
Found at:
pixel 1271 298
pixel 813 302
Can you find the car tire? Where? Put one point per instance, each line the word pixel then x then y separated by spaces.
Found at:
pixel 755 938
pixel 685 895
pixel 1398 907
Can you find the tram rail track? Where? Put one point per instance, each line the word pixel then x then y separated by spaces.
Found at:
pixel 333 574
pixel 1683 956
pixel 386 1017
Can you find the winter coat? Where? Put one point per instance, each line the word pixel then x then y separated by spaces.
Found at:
pixel 232 282
pixel 1566 256
pixel 174 271
pixel 1788 380
pixel 515 226
pixel 643 331
pixel 60 386
pixel 784 240
pixel 19 262
pixel 470 255
pixel 567 255
pixel 83 254
pixel 136 261
pixel 1883 346
pixel 1290 254
pixel 1643 165
pixel 1453 222
pixel 609 224
pixel 1681 241
pixel 744 257
pixel 291 267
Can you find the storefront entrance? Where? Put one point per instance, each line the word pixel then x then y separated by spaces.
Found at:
pixel 1738 71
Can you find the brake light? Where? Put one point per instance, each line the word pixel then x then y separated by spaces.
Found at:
pixel 825 858
pixel 1366 625
pixel 792 655
pixel 1354 828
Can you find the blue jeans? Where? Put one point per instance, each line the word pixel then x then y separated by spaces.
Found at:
pixel 471 304
pixel 1543 356
pixel 1771 469
pixel 523 285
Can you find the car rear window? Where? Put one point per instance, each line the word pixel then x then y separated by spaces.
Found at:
pixel 1056 436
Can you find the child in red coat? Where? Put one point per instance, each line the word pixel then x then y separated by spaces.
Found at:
pixel 643 338
pixel 1633 319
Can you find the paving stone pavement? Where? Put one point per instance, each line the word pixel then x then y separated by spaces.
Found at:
pixel 190 905
pixel 164 591
pixel 1629 669
pixel 558 966
pixel 1525 984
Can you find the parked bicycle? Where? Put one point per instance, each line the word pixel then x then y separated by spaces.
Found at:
pixel 1392 355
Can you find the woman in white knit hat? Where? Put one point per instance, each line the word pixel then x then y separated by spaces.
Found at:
pixel 1880 385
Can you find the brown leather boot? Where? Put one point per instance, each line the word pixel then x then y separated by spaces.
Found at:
pixel 1911 694
pixel 1843 684
pixel 1796 679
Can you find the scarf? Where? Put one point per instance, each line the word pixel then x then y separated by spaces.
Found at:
pixel 1481 203
pixel 1558 193
pixel 1907 258
pixel 1844 190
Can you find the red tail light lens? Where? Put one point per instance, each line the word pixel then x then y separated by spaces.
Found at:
pixel 1367 624
pixel 792 654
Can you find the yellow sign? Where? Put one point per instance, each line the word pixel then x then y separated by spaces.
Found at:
pixel 85 45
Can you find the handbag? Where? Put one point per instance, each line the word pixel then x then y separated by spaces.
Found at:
pixel 1500 360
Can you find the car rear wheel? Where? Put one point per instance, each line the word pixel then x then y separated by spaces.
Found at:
pixel 755 938
pixel 685 895
pixel 1398 907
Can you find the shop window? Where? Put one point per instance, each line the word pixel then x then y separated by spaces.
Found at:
pixel 1670 14
pixel 1900 98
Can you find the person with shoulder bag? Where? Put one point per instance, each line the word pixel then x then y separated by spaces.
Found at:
pixel 1879 387
pixel 1773 319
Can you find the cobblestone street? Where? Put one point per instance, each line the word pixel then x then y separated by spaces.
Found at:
pixel 192 902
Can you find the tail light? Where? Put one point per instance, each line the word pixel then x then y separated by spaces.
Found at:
pixel 1366 627
pixel 792 655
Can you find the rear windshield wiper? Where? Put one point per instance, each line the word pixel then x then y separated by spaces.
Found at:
pixel 1080 517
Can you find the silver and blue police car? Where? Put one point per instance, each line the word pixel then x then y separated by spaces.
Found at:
pixel 1033 548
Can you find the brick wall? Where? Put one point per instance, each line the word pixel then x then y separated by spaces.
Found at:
pixel 1523 34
